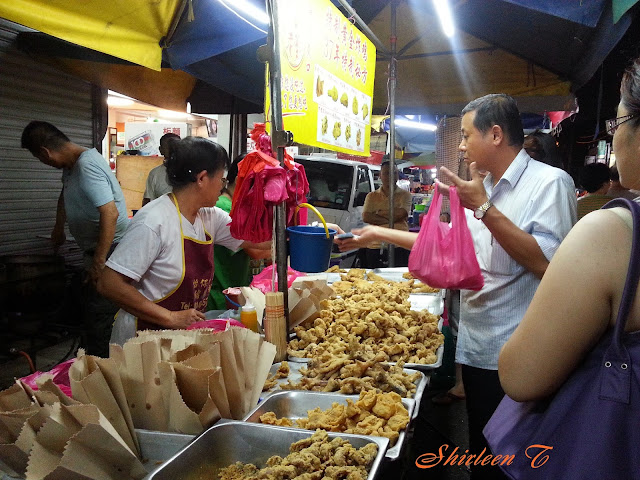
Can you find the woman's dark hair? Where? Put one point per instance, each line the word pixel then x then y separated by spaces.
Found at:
pixel 190 156
pixel 497 109
pixel 233 168
pixel 630 91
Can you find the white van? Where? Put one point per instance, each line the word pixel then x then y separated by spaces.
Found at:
pixel 337 189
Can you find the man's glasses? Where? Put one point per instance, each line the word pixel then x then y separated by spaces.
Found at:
pixel 613 124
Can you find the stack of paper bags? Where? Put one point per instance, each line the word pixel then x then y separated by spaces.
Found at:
pixel 185 380
pixel 45 434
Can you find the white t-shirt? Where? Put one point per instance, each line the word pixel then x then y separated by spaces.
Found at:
pixel 150 253
pixel 157 184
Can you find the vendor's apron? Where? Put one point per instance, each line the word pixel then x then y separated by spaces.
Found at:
pixel 191 292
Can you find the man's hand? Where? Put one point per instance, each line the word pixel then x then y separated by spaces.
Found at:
pixel 363 237
pixel 335 227
pixel 471 193
pixel 95 271
pixel 184 318
pixel 58 237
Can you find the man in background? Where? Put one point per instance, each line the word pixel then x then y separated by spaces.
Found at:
pixel 595 179
pixel 93 205
pixel 376 212
pixel 157 184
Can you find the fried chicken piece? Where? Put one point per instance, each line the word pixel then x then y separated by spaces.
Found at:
pixel 277 472
pixel 318 436
pixel 274 460
pixel 304 461
pixel 310 476
pixel 346 472
pixel 387 405
pixel 238 471
pixel 399 421
pixel 282 372
pixel 270 418
pixel 365 455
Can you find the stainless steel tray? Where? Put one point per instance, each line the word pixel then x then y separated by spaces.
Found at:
pixel 157 447
pixel 230 442
pixel 296 376
pixel 423 367
pixel 434 304
pixel 295 404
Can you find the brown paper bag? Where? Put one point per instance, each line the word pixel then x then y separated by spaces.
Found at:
pixel 14 398
pixel 78 442
pixel 97 381
pixel 17 435
pixel 180 418
pixel 187 353
pixel 138 367
pixel 249 353
pixel 266 354
pixel 234 385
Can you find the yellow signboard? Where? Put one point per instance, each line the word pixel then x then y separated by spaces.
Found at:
pixel 327 72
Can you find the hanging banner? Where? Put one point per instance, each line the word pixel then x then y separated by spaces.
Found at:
pixel 327 75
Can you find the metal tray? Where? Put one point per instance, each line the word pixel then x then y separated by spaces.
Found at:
pixel 296 376
pixel 157 447
pixel 295 404
pixel 423 367
pixel 434 304
pixel 230 442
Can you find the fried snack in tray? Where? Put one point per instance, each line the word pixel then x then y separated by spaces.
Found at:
pixel 335 269
pixel 380 414
pixel 374 317
pixel 336 371
pixel 312 458
pixel 272 381
pixel 414 287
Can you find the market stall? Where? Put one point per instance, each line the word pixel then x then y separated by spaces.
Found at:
pixel 165 390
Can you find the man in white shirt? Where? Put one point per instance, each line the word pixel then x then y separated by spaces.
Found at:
pixel 519 211
pixel 157 184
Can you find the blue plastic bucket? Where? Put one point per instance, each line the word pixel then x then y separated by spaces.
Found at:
pixel 309 248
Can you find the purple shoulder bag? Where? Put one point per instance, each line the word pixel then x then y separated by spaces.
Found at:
pixel 590 429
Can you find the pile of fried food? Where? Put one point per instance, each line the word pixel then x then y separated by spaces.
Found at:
pixel 352 373
pixel 312 458
pixel 380 414
pixel 372 317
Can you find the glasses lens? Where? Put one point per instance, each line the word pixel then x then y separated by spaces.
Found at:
pixel 610 126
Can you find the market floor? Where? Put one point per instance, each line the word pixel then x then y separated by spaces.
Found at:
pixel 434 427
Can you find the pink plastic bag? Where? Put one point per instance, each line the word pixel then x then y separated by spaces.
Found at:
pixel 60 375
pixel 262 281
pixel 443 256
pixel 217 324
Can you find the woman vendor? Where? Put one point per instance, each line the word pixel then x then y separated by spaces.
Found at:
pixel 161 271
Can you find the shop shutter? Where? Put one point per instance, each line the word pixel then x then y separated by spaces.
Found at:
pixel 29 190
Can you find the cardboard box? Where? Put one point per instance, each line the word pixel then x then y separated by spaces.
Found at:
pixel 132 172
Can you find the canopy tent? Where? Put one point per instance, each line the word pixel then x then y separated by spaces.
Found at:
pixel 165 88
pixel 538 52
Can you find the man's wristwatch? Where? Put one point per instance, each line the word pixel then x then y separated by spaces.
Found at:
pixel 482 209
